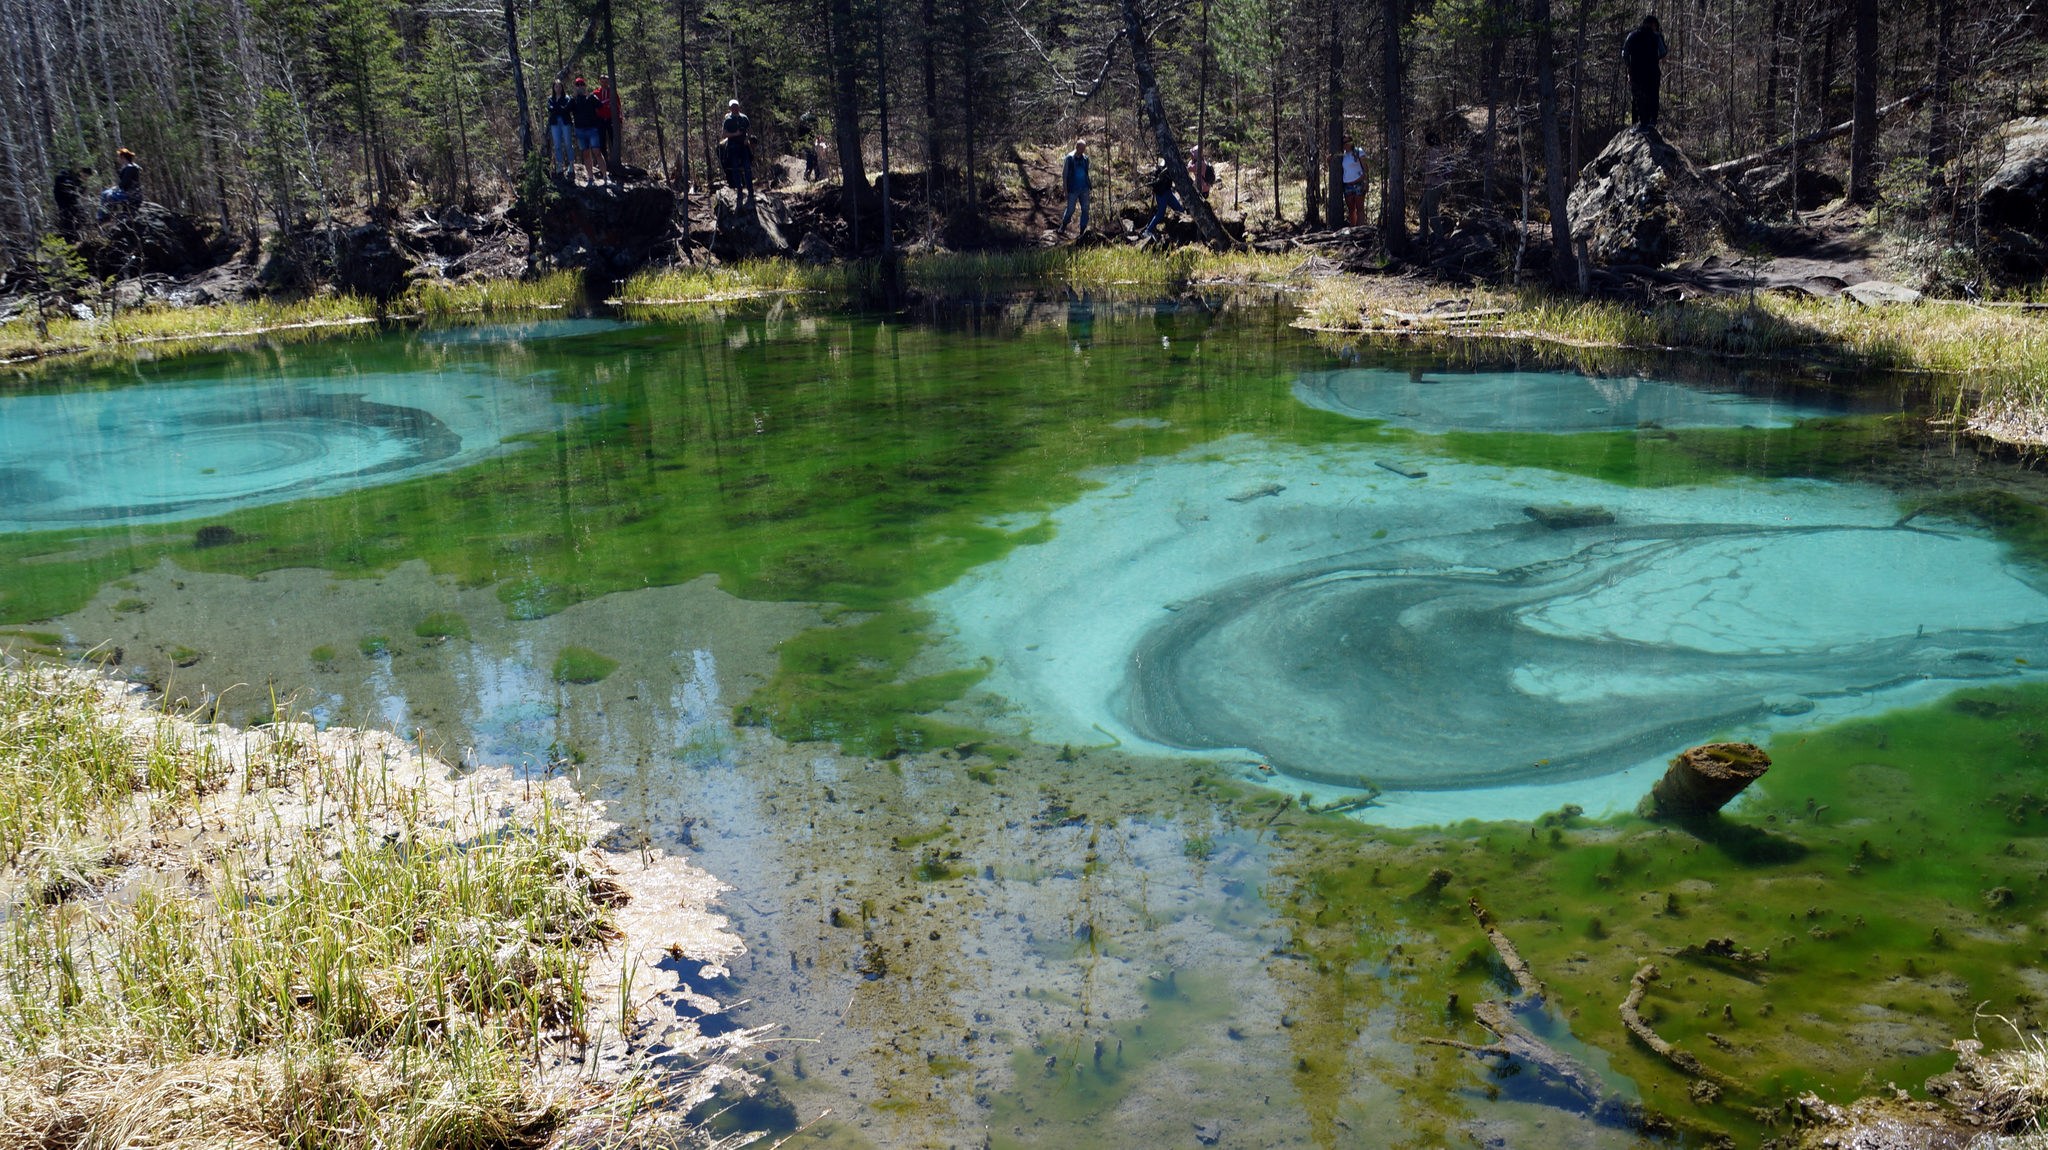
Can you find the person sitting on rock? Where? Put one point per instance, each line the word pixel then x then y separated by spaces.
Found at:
pixel 589 136
pixel 1643 55
pixel 738 150
pixel 562 131
pixel 126 194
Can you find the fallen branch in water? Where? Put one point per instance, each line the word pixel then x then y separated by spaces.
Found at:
pixel 1505 947
pixel 1632 1018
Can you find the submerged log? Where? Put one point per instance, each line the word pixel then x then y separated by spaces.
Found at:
pixel 1632 1018
pixel 1516 1042
pixel 1504 946
pixel 1704 779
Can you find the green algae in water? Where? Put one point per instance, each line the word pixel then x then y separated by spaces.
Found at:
pixel 322 654
pixel 442 624
pixel 131 605
pixel 583 666
pixel 375 646
pixel 1921 869
pixel 1061 1081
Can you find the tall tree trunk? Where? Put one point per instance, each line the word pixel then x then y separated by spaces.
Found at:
pixel 1564 269
pixel 845 64
pixel 1162 129
pixel 1771 74
pixel 1394 210
pixel 1863 140
pixel 1336 121
pixel 1496 48
pixel 932 150
pixel 882 92
pixel 1937 111
pixel 518 81
pixel 615 140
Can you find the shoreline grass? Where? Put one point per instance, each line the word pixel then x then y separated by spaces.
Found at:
pixel 288 937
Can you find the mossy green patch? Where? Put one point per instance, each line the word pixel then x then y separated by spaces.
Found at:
pixel 845 684
pixel 2019 523
pixel 375 646
pixel 1878 885
pixel 442 624
pixel 131 605
pixel 322 654
pixel 1657 457
pixel 582 665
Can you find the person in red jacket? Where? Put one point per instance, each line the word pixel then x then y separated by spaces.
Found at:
pixel 608 121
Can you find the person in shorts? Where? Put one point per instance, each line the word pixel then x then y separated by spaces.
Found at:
pixel 589 137
pixel 1354 186
pixel 561 131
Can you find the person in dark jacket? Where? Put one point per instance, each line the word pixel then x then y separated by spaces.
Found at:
pixel 589 137
pixel 1642 53
pixel 1075 182
pixel 126 194
pixel 69 190
pixel 1162 193
pixel 736 150
pixel 562 131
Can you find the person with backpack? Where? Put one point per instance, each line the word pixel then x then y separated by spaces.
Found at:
pixel 1642 54
pixel 561 131
pixel 1075 182
pixel 1162 194
pixel 1201 172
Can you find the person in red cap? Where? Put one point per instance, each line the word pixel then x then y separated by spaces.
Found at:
pixel 589 137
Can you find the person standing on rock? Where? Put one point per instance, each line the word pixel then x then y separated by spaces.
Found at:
pixel 739 150
pixel 589 138
pixel 69 190
pixel 1074 180
pixel 1643 55
pixel 1202 172
pixel 562 131
pixel 608 119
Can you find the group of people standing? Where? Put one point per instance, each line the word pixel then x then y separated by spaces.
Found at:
pixel 1079 186
pixel 582 127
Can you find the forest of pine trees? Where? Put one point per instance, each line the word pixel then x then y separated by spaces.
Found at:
pixel 256 114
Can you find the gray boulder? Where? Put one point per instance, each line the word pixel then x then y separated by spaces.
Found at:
pixel 1642 202
pixel 1877 293
pixel 1772 185
pixel 152 239
pixel 814 250
pixel 2016 195
pixel 750 227
pixel 368 261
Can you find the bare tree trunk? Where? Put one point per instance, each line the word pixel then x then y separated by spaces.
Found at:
pixel 1335 140
pixel 1394 213
pixel 518 81
pixel 1162 129
pixel 683 145
pixel 1564 269
pixel 615 140
pixel 1863 141
pixel 932 151
pixel 882 91
pixel 1496 47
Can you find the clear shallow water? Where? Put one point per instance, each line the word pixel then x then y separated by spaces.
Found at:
pixel 1040 526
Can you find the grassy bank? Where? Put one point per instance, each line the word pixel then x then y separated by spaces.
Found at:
pixel 314 317
pixel 287 937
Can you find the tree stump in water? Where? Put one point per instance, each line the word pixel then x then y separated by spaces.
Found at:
pixel 1704 779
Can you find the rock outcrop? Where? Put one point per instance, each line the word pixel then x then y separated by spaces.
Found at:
pixel 610 229
pixel 1642 202
pixel 750 227
pixel 2016 195
pixel 368 261
pixel 153 240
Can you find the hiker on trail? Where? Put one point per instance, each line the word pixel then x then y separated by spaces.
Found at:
pixel 1074 179
pixel 1162 193
pixel 1436 173
pixel 561 131
pixel 1201 172
pixel 737 151
pixel 607 122
pixel 1354 186
pixel 126 194
pixel 1643 55
pixel 69 190
pixel 589 137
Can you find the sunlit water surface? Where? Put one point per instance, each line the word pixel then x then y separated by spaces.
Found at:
pixel 1138 544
